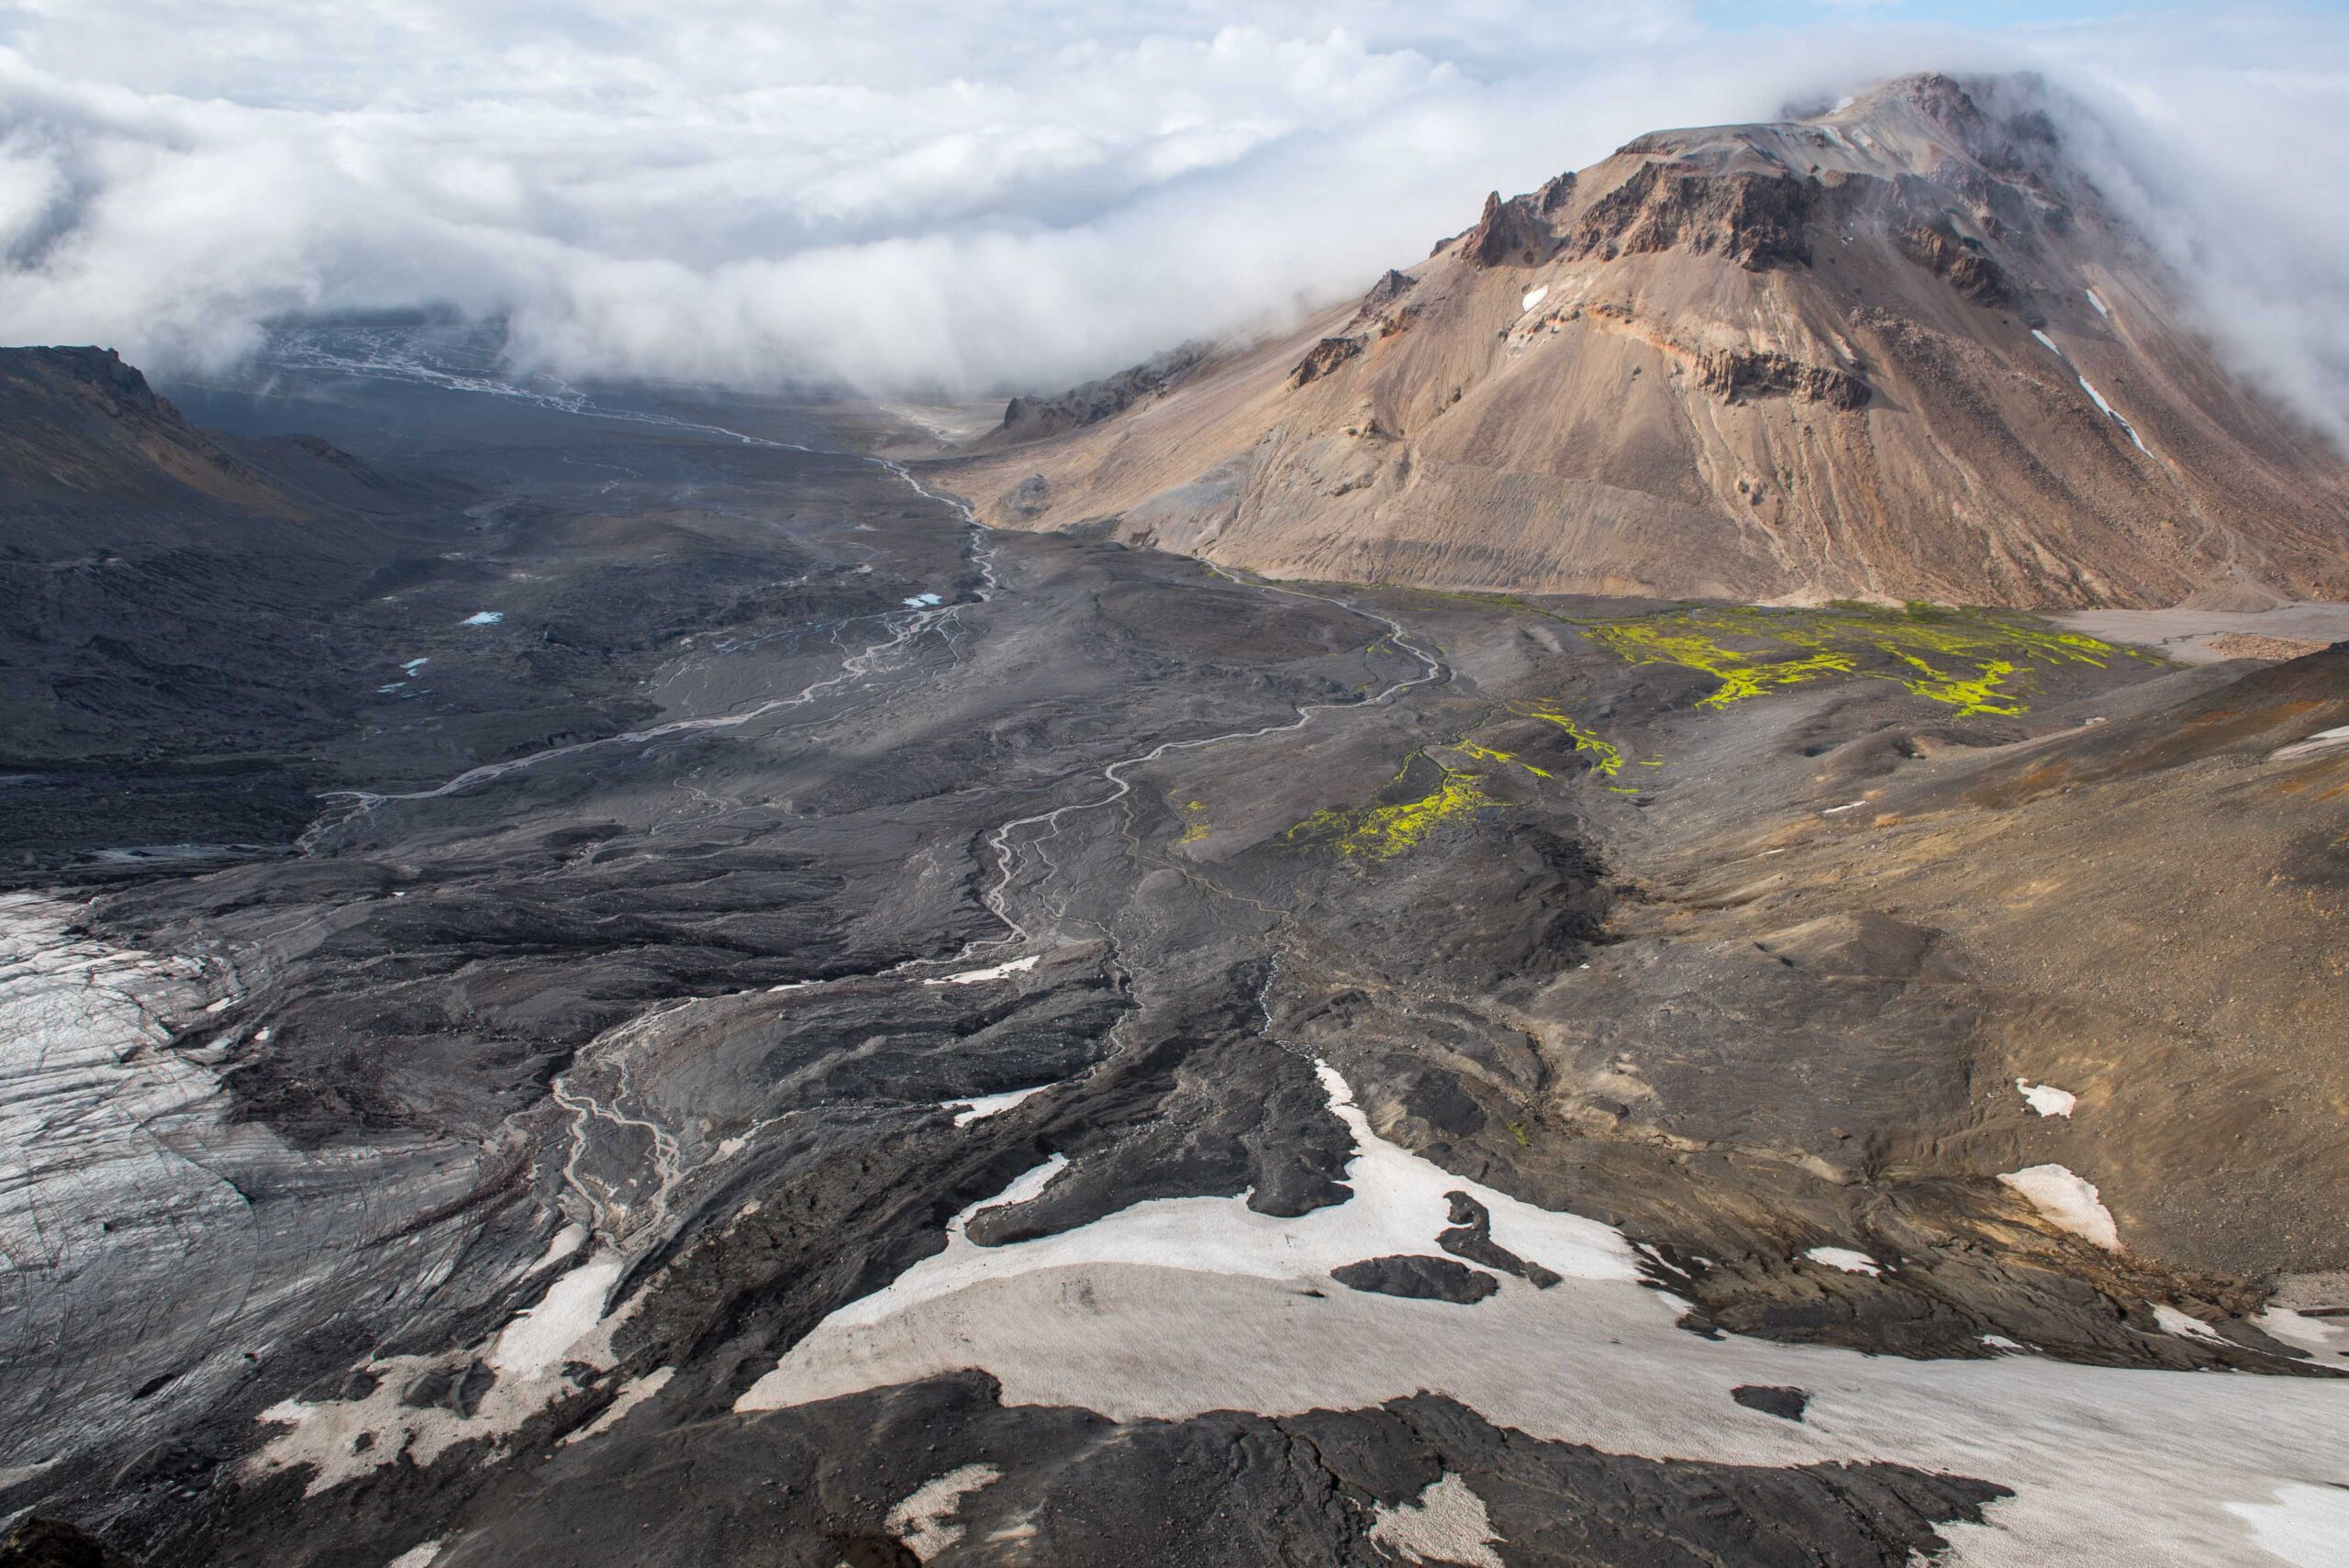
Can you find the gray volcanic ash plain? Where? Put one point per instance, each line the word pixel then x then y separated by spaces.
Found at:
pixel 755 1020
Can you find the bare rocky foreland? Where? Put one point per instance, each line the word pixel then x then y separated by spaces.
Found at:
pixel 758 1021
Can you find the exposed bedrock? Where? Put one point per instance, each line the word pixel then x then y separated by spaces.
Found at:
pixel 1417 1277
pixel 1902 349
pixel 933 1087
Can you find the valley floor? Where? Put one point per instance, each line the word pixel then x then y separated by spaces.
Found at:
pixel 995 1049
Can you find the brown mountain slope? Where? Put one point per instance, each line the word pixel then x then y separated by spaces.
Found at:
pixel 80 428
pixel 1898 350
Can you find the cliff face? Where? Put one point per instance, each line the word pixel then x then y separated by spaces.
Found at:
pixel 79 426
pixel 1032 418
pixel 1898 350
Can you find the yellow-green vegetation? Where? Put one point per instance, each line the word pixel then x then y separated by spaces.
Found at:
pixel 1472 750
pixel 1194 825
pixel 1382 832
pixel 1609 756
pixel 1964 659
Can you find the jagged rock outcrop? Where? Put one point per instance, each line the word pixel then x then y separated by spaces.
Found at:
pixel 1322 358
pixel 1031 418
pixel 1901 349
pixel 1755 220
pixel 1735 374
pixel 1510 233
pixel 79 426
pixel 1393 286
pixel 1959 260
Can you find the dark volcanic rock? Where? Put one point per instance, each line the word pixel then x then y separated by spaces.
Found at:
pixel 878 932
pixel 1421 1278
pixel 1471 1237
pixel 1063 1488
pixel 457 1389
pixel 1189 1114
pixel 40 1542
pixel 1089 403
pixel 1786 1403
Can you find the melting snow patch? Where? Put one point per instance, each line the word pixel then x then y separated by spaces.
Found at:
pixel 1446 1523
pixel 418 1556
pixel 984 1106
pixel 395 685
pixel 1022 1189
pixel 2305 1525
pixel 2311 1334
pixel 2000 1342
pixel 531 1354
pixel 921 1520
pixel 2049 342
pixel 2045 1099
pixel 1846 1259
pixel 533 1343
pixel 923 601
pixel 2101 309
pixel 2111 413
pixel 1839 810
pixel 2173 1321
pixel 1534 298
pixel 1400 1201
pixel 484 617
pixel 1177 1307
pixel 974 976
pixel 561 1245
pixel 2323 741
pixel 2068 1200
pixel 413 665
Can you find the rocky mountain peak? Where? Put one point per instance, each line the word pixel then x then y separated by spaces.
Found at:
pixel 1901 347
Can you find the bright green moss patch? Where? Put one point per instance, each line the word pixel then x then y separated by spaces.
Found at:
pixel 1967 660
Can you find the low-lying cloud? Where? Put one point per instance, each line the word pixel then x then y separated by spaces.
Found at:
pixel 927 199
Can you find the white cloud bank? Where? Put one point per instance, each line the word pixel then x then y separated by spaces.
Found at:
pixel 928 198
